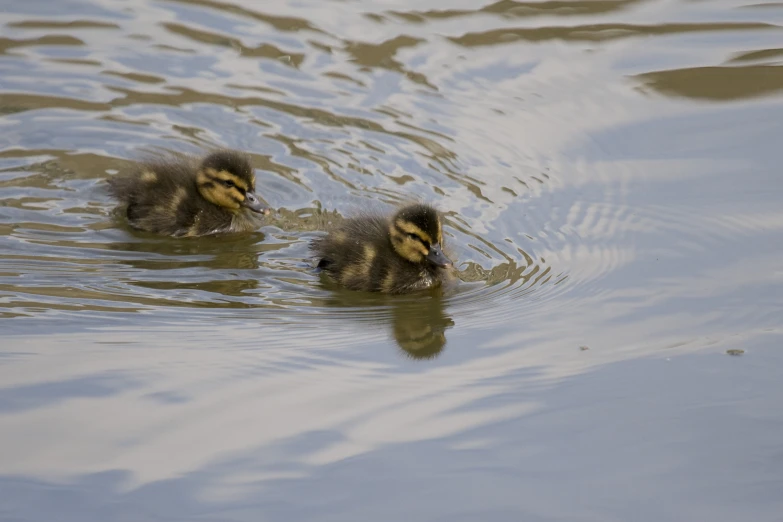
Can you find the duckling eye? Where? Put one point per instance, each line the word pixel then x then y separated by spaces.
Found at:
pixel 228 183
pixel 413 236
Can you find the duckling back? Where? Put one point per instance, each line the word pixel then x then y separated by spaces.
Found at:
pixel 154 195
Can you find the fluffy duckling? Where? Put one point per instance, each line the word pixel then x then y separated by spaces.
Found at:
pixel 377 254
pixel 177 197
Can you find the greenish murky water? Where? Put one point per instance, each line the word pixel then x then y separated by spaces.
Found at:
pixel 610 175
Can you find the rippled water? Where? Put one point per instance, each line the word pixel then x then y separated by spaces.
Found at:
pixel 610 173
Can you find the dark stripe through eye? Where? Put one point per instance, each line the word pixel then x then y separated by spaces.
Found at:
pixel 411 235
pixel 419 239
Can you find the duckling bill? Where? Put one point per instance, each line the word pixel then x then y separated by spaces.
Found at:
pixel 396 255
pixel 178 197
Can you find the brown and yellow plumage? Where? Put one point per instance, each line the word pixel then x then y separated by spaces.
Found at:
pixel 394 255
pixel 178 197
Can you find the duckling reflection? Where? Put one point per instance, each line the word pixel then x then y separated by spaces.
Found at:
pixel 178 198
pixel 419 327
pixel 418 324
pixel 220 266
pixel 241 252
pixel 375 253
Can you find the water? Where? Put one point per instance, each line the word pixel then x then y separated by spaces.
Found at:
pixel 610 176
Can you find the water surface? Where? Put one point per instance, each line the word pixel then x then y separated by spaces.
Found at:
pixel 609 172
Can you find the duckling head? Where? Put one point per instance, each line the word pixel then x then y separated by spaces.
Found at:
pixel 416 235
pixel 226 179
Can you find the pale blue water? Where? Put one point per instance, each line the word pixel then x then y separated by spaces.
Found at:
pixel 610 176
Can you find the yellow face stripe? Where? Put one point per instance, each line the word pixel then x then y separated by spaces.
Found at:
pixel 237 194
pixel 225 175
pixel 410 228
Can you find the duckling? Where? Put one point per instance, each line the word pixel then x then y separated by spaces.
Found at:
pixel 377 254
pixel 177 197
